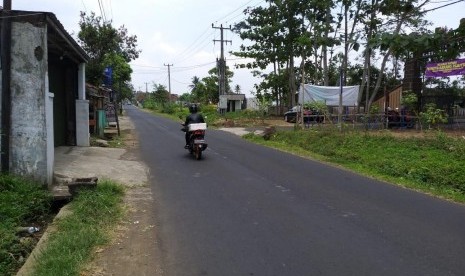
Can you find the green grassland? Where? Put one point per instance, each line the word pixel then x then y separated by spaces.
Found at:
pixel 434 163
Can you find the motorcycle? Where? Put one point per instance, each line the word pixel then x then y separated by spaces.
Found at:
pixel 197 142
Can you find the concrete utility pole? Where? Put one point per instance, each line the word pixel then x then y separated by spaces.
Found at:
pixel 146 88
pixel 221 62
pixel 169 79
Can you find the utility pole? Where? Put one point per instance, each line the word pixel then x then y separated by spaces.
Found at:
pixel 221 63
pixel 169 79
pixel 146 88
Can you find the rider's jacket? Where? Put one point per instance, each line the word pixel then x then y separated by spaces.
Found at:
pixel 194 118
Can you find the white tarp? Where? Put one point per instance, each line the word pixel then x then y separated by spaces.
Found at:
pixel 330 94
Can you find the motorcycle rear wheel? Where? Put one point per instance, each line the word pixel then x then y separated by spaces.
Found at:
pixel 198 153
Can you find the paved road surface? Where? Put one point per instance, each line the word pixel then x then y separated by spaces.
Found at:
pixel 250 210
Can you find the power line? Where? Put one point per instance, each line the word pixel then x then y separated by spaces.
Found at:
pixel 111 10
pixel 240 14
pixel 180 82
pixel 176 69
pixel 102 11
pixel 147 73
pixel 201 41
pixel 443 6
pixel 193 43
pixel 149 66
pixel 84 5
pixel 225 17
pixel 186 68
pixel 187 54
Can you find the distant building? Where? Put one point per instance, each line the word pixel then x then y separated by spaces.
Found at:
pixel 231 102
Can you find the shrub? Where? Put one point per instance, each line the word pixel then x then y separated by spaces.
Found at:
pixel 433 116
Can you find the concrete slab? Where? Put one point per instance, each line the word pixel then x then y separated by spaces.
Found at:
pixel 241 131
pixel 120 165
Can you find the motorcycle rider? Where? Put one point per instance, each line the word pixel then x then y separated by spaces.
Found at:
pixel 193 118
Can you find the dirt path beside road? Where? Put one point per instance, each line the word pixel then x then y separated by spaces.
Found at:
pixel 134 248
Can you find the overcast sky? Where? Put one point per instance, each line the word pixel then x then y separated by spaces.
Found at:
pixel 179 32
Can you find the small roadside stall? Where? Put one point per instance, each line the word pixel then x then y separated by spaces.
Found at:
pixel 98 98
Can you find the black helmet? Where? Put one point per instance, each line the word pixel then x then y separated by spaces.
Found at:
pixel 193 108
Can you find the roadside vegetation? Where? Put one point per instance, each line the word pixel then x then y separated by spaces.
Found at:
pixel 93 214
pixel 432 163
pixel 210 113
pixel 23 204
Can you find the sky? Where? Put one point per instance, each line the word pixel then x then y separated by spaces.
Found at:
pixel 179 33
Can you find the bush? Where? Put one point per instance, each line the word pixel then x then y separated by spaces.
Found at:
pixel 149 104
pixel 169 108
pixel 432 116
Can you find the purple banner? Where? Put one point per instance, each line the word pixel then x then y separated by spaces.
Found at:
pixel 444 69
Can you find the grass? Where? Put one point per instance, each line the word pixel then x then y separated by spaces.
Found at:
pixel 93 214
pixel 117 141
pixel 432 164
pixel 23 203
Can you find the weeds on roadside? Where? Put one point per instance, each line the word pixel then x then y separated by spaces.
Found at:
pixel 93 213
pixel 22 203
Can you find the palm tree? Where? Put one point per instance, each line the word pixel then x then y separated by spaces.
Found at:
pixel 237 89
pixel 195 82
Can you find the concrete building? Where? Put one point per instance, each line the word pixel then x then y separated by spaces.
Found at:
pixel 232 102
pixel 44 105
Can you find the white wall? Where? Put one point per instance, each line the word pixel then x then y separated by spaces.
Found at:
pixel 252 103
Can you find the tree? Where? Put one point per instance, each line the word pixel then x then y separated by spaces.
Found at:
pixel 121 75
pixel 281 32
pixel 262 28
pixel 106 45
pixel 311 31
pixel 206 90
pixel 195 82
pixel 160 93
pixel 237 89
pixel 211 89
pixel 185 97
pixel 391 39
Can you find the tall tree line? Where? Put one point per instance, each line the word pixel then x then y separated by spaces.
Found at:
pixel 314 40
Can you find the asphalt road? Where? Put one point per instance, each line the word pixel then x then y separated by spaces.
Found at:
pixel 249 210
